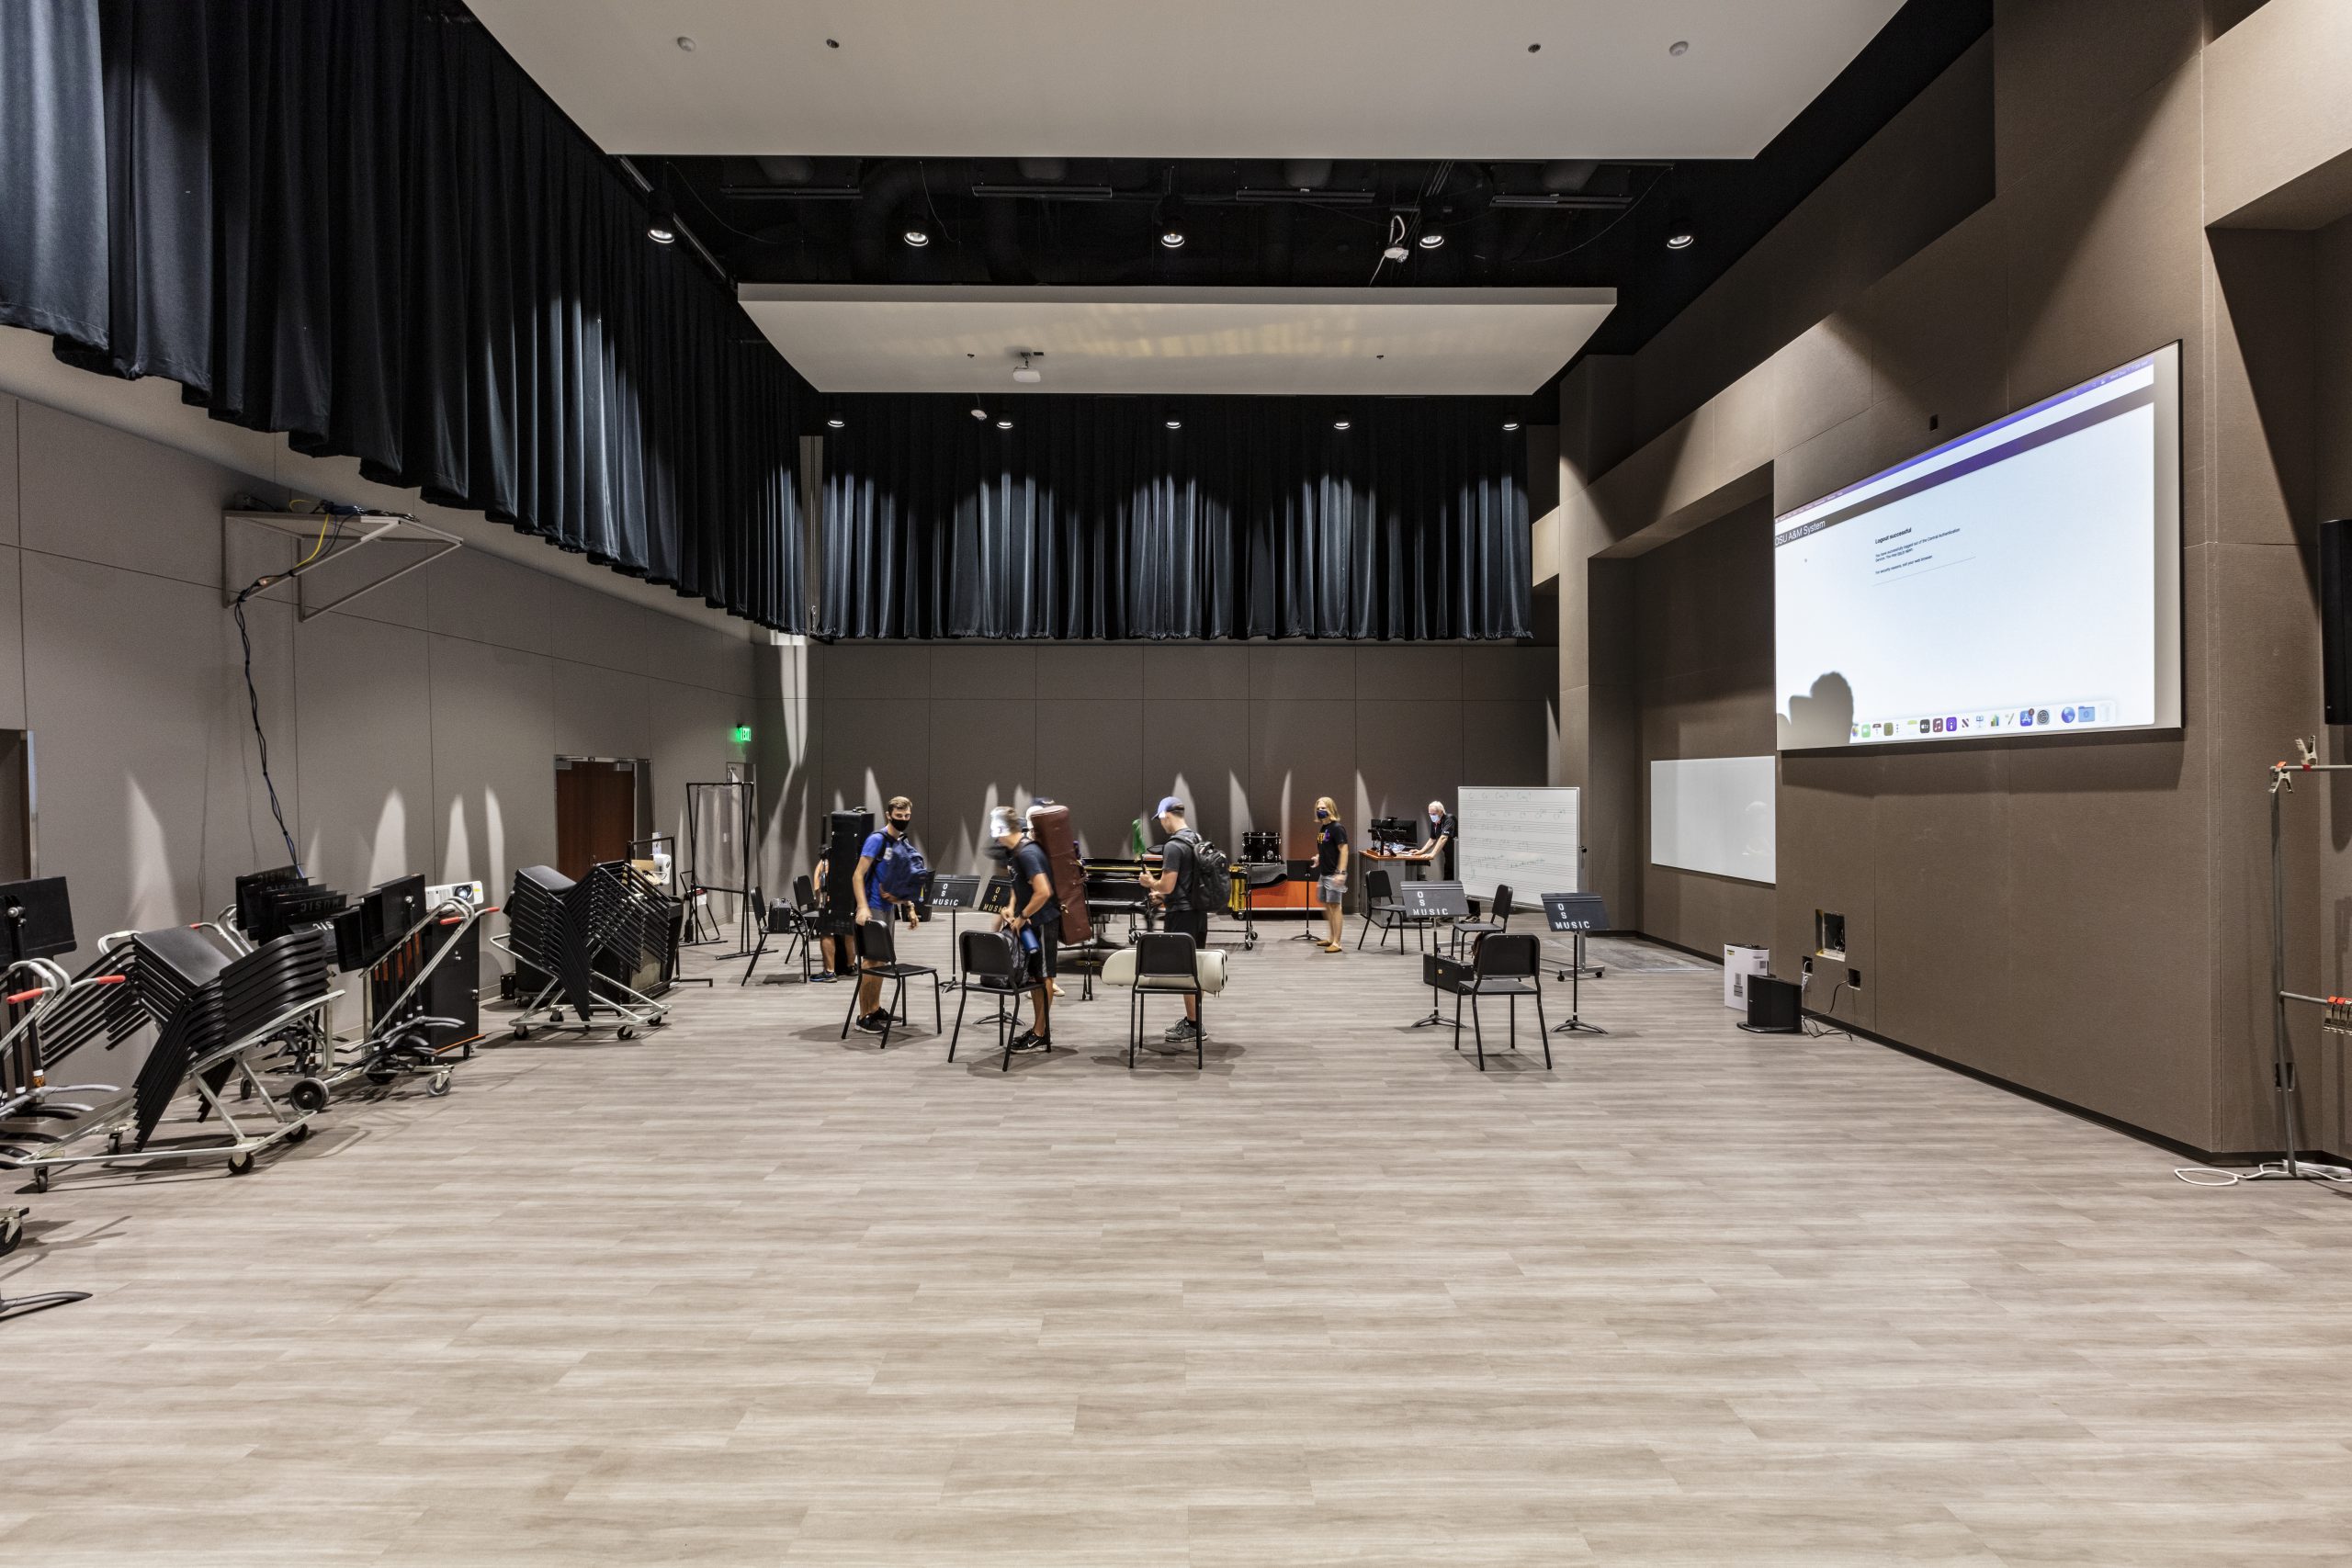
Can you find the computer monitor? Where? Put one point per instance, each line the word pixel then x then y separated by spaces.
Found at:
pixel 36 920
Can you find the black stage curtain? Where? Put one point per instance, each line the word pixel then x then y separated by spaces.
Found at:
pixel 1091 518
pixel 359 222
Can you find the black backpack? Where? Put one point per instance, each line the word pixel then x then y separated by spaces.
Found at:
pixel 1211 872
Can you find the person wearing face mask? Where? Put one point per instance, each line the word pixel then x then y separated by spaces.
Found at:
pixel 1438 847
pixel 878 902
pixel 1032 916
pixel 1331 870
pixel 1172 883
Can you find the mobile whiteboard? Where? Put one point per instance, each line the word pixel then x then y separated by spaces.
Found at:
pixel 1714 814
pixel 1530 840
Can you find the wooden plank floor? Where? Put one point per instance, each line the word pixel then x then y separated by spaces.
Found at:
pixel 741 1293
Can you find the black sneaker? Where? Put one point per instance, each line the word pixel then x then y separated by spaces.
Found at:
pixel 1029 1040
pixel 873 1022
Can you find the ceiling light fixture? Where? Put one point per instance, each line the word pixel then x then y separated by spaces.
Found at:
pixel 1534 48
pixel 1680 46
pixel 836 422
pixel 686 43
pixel 1511 424
pixel 1004 424
pixel 1339 425
pixel 918 238
pixel 1029 375
pixel 1680 232
pixel 1172 239
pixel 832 43
pixel 1430 242
pixel 1682 239
pixel 662 228
pixel 1175 425
pixel 978 412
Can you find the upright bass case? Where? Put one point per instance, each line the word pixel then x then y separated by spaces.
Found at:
pixel 1050 826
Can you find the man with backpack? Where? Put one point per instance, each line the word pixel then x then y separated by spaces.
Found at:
pixel 888 883
pixel 1191 875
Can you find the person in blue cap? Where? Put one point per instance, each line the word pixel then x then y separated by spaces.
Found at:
pixel 1181 910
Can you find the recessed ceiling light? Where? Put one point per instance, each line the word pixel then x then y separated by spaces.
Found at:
pixel 832 43
pixel 686 43
pixel 1680 46
pixel 1175 425
pixel 662 228
pixel 1173 240
pixel 1511 424
pixel 1534 48
pixel 1004 424
pixel 835 424
pixel 1430 242
pixel 918 238
pixel 1339 425
pixel 1682 240
pixel 978 412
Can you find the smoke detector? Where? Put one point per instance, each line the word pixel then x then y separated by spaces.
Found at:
pixel 1029 375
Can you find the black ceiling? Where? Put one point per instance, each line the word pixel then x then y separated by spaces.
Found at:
pixel 1304 223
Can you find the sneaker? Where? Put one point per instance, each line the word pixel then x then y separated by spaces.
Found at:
pixel 873 1022
pixel 1183 1029
pixel 823 977
pixel 1029 1040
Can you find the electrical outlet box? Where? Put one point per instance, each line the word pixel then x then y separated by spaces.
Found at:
pixel 1829 935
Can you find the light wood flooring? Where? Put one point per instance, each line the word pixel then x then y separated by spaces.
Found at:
pixel 742 1293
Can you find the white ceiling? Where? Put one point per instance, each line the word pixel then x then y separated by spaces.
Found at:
pixel 1271 342
pixel 1198 79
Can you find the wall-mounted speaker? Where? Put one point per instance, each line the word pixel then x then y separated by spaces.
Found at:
pixel 2336 618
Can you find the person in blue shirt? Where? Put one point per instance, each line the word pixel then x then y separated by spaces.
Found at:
pixel 875 904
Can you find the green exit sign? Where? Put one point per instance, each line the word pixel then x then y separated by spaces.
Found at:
pixel 742 735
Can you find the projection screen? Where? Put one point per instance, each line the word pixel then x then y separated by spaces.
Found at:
pixel 2022 581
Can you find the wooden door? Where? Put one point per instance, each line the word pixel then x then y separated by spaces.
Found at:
pixel 595 813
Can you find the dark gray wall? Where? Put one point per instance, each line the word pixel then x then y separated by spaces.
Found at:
pixel 1702 683
pixel 2086 918
pixel 1248 733
pixel 414 732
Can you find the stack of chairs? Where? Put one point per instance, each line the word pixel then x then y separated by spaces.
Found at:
pixel 215 1012
pixel 562 929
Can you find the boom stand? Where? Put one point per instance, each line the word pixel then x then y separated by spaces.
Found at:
pixel 2282 1053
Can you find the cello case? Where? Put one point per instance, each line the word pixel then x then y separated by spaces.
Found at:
pixel 1049 825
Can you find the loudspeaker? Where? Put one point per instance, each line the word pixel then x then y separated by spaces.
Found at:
pixel 2336 618
pixel 1772 1006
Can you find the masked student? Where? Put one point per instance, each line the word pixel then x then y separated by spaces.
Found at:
pixel 886 886
pixel 1182 906
pixel 1033 918
pixel 1331 870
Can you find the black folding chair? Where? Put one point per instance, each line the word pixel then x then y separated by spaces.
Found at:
pixel 877 952
pixel 1471 931
pixel 992 963
pixel 1383 914
pixel 1165 961
pixel 1502 966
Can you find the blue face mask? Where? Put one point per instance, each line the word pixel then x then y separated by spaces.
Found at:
pixel 1321 815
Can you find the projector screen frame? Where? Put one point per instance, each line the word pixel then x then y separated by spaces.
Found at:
pixel 2164 361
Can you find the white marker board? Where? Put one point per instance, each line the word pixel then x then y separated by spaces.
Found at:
pixel 1714 814
pixel 1530 840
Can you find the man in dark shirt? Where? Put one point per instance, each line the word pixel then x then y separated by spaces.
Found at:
pixel 1174 887
pixel 1438 847
pixel 1034 918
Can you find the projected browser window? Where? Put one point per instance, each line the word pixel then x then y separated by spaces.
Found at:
pixel 2020 581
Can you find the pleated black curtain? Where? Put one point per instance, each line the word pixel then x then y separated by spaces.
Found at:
pixel 358 223
pixel 1091 518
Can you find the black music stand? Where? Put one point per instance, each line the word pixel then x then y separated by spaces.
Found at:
pixel 1576 913
pixel 1432 901
pixel 954 894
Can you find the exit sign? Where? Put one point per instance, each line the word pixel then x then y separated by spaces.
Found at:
pixel 742 735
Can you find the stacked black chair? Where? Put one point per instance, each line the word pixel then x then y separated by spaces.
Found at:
pixel 205 1000
pixel 573 933
pixel 1471 931
pixel 1166 962
pixel 879 950
pixel 992 963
